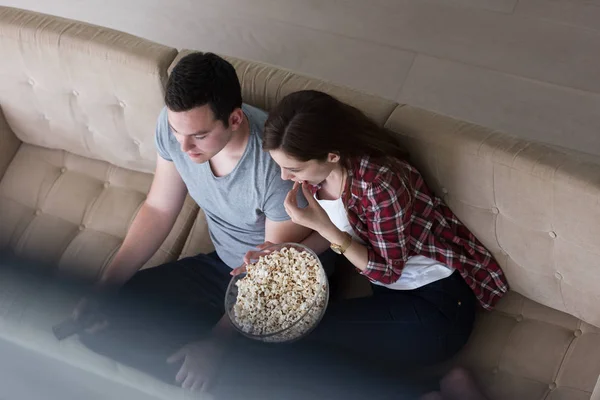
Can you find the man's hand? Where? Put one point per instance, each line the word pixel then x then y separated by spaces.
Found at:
pixel 239 270
pixel 87 312
pixel 255 254
pixel 201 361
pixel 252 255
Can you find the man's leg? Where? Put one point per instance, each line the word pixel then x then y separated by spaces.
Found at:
pixel 160 310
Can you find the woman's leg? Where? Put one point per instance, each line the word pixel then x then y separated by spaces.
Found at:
pixel 359 349
pixel 402 328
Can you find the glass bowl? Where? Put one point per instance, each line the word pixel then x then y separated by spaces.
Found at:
pixel 301 326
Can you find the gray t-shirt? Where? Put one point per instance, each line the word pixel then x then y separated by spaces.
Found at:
pixel 236 205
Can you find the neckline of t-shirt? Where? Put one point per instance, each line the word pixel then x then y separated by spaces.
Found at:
pixel 339 199
pixel 251 126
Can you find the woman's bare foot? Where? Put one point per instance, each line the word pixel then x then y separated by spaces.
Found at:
pixel 459 385
pixel 432 396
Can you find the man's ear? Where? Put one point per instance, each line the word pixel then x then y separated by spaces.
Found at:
pixel 236 118
pixel 333 157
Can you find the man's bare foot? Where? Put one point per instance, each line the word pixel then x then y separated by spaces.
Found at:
pixel 459 385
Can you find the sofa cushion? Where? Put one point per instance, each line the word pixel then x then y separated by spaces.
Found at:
pixel 72 212
pixel 528 351
pixel 89 90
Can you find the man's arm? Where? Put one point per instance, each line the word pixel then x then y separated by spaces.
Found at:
pixel 285 231
pixel 150 227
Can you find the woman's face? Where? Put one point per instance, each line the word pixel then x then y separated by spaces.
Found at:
pixel 313 171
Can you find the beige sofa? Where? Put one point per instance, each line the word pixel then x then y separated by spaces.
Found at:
pixel 79 105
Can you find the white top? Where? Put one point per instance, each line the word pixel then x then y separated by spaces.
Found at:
pixel 418 270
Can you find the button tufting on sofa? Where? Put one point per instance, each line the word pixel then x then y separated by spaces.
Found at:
pixel 558 276
pixel 75 93
pixel 552 234
pixel 122 104
pixel 495 210
pixel 578 333
pixel 519 318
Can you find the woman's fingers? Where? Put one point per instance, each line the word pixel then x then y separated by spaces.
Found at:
pixel 307 194
pixel 290 201
pixel 293 195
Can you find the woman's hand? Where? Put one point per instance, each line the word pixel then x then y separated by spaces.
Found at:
pixel 312 216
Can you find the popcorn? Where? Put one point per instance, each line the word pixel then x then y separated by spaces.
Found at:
pixel 285 290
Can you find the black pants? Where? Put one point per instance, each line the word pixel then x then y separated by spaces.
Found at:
pixel 403 328
pixel 161 309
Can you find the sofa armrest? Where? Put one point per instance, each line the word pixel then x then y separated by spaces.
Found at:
pixel 9 144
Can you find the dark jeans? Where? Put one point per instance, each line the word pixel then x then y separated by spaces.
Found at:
pixel 403 328
pixel 161 309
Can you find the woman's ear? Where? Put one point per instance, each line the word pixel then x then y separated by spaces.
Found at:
pixel 333 157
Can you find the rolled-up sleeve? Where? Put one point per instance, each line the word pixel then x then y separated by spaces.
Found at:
pixel 387 202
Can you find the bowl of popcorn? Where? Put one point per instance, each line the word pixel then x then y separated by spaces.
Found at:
pixel 281 297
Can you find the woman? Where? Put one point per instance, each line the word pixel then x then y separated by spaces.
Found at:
pixel 365 200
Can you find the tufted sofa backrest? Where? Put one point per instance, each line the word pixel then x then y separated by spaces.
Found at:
pixel 535 207
pixel 89 90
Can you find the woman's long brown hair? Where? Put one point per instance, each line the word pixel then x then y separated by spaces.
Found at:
pixel 308 125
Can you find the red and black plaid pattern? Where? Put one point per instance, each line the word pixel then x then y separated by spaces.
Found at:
pixel 399 217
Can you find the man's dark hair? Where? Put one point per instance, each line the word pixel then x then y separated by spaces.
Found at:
pixel 204 78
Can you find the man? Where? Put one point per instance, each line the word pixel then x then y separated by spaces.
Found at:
pixel 209 145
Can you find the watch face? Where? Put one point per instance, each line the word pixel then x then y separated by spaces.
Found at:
pixel 336 249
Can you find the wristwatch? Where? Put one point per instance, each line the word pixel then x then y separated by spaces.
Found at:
pixel 341 249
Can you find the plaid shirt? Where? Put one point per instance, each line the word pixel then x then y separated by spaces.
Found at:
pixel 399 217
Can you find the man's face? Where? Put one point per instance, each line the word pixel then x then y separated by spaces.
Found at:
pixel 199 133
